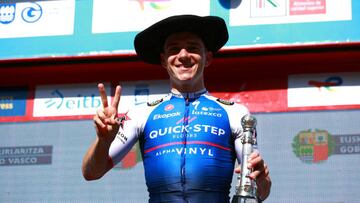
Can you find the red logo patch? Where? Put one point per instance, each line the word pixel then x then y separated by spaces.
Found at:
pixel 169 107
pixel 123 117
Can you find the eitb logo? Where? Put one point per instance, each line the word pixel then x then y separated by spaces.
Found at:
pixel 315 146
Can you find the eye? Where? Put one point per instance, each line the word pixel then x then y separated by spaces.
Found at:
pixel 193 48
pixel 172 50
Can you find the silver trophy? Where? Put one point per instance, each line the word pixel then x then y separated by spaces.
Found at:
pixel 246 187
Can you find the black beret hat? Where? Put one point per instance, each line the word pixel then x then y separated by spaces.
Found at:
pixel 211 29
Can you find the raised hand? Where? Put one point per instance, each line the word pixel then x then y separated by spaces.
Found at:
pixel 106 119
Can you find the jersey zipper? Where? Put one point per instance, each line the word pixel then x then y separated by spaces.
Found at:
pixel 183 154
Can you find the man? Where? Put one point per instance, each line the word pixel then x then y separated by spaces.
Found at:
pixel 186 138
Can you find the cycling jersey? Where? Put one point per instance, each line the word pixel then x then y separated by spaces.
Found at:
pixel 187 145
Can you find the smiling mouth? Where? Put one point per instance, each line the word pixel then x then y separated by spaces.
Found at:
pixel 184 65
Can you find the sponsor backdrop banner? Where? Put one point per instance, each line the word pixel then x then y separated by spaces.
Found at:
pixel 31 29
pixel 67 100
pixel 324 89
pixel 142 13
pixel 13 101
pixel 301 92
pixel 33 19
pixel 313 157
pixel 260 12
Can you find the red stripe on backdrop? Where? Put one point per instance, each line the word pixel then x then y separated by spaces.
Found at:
pixel 30 102
pixel 260 93
pixel 256 77
pixel 258 101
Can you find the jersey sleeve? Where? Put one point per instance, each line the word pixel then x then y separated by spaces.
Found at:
pixel 236 113
pixel 128 134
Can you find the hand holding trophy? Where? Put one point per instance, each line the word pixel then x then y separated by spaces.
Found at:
pixel 246 187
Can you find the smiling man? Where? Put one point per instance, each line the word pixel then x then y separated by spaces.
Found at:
pixel 185 57
pixel 187 138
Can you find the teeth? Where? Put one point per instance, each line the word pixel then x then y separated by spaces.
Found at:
pixel 185 66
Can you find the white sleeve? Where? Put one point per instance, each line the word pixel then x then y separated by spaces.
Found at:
pixel 235 116
pixel 127 135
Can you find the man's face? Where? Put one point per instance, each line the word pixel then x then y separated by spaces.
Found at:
pixel 185 57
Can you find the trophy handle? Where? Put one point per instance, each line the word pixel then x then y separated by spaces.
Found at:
pixel 246 187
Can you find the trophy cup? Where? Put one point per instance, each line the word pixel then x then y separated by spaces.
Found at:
pixel 246 188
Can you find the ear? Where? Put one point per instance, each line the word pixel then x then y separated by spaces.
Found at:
pixel 209 58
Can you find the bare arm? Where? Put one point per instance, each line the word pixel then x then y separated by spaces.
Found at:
pixel 96 161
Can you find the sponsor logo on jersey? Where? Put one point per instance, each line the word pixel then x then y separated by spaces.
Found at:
pixel 123 118
pixel 166 115
pixel 210 109
pixel 207 113
pixel 187 129
pixel 189 151
pixel 169 107
pixel 197 103
pixel 122 137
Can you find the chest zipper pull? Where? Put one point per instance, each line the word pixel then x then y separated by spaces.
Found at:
pixel 187 100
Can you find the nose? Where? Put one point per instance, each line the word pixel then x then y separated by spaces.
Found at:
pixel 183 54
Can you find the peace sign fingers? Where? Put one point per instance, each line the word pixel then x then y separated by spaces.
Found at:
pixel 103 96
pixel 114 107
pixel 109 112
pixel 106 121
pixel 116 101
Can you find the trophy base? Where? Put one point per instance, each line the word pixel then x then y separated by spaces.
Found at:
pixel 241 199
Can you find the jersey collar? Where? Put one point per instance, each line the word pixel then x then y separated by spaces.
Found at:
pixel 189 95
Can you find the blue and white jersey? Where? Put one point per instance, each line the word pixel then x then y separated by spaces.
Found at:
pixel 187 143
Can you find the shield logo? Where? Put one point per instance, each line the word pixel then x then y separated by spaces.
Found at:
pixel 7 13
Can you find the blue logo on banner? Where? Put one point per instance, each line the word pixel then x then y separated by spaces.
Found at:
pixel 7 13
pixel 80 102
pixel 12 101
pixel 32 13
